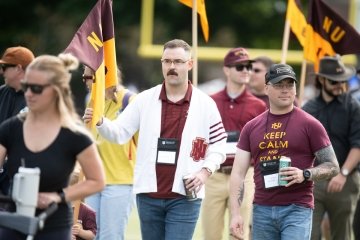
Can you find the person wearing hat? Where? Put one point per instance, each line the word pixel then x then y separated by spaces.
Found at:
pixel 12 66
pixel 339 113
pixel 237 106
pixel 280 211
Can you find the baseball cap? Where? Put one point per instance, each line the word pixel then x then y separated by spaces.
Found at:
pixel 236 56
pixel 278 72
pixel 334 69
pixel 17 55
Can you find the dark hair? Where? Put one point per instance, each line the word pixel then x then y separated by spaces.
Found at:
pixel 317 83
pixel 264 60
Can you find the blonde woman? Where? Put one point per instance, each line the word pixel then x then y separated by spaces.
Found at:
pixel 50 135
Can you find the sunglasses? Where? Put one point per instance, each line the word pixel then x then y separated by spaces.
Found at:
pixel 35 88
pixel 5 66
pixel 239 68
pixel 257 70
pixel 335 82
pixel 88 77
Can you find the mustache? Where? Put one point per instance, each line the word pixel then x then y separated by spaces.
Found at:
pixel 171 72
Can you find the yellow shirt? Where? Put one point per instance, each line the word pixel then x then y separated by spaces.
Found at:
pixel 118 160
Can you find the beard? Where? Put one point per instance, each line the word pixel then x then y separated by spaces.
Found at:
pixel 333 92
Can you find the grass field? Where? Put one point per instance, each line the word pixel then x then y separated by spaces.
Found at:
pixel 133 228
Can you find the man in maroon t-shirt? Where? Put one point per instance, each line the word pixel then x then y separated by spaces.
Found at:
pixel 281 212
pixel 237 106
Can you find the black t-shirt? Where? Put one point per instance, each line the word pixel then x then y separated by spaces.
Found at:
pixel 56 162
pixel 11 102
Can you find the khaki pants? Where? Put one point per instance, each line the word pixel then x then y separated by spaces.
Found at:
pixel 340 207
pixel 216 202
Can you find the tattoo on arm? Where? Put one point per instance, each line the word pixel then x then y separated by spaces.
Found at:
pixel 327 166
pixel 241 194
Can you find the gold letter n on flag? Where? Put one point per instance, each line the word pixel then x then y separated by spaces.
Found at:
pixel 327 33
pixel 94 45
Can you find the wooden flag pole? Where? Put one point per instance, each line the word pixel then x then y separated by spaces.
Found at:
pixel 77 202
pixel 302 82
pixel 285 43
pixel 194 43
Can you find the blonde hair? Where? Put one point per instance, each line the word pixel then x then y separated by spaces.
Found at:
pixel 58 69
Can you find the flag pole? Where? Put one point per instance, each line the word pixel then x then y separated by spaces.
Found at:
pixel 302 82
pixel 285 43
pixel 194 43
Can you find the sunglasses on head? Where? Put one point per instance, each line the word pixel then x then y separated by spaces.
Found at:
pixel 335 82
pixel 4 66
pixel 239 68
pixel 35 88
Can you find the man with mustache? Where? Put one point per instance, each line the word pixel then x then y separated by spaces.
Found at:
pixel 180 133
pixel 339 113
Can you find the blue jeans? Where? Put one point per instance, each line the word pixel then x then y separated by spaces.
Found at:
pixel 167 219
pixel 112 206
pixel 281 222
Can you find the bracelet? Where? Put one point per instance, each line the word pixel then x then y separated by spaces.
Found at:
pixel 62 196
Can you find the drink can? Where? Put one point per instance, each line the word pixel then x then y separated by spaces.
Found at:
pixel 284 162
pixel 190 195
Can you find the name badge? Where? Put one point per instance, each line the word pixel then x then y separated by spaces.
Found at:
pixel 232 139
pixel 270 172
pixel 233 136
pixel 167 151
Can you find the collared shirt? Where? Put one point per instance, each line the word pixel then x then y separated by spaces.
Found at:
pixel 173 118
pixel 236 112
pixel 341 119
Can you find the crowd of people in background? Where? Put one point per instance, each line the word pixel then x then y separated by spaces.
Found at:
pixel 230 144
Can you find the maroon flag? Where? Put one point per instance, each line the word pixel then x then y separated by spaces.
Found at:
pixel 94 45
pixel 327 33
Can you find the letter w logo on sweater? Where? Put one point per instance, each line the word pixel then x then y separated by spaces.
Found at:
pixel 199 147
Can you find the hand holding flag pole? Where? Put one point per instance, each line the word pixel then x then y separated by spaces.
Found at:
pixel 94 45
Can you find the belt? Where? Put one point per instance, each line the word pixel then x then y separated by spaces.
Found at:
pixel 225 169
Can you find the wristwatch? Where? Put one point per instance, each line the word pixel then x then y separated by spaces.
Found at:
pixel 306 174
pixel 344 172
pixel 208 170
pixel 62 196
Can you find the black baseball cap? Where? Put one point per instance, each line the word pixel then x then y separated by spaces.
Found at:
pixel 278 72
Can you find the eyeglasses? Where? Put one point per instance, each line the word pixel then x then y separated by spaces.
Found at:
pixel 176 62
pixel 279 86
pixel 35 88
pixel 257 70
pixel 5 66
pixel 88 77
pixel 335 82
pixel 239 68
